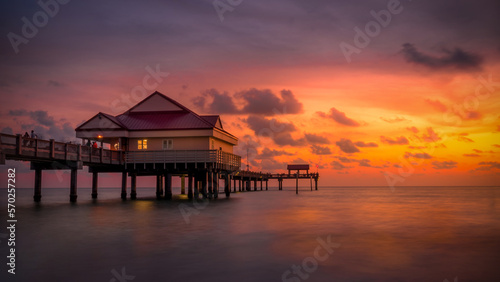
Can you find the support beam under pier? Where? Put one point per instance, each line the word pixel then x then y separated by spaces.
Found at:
pixel 133 186
pixel 95 176
pixel 124 185
pixel 190 185
pixel 168 186
pixel 72 189
pixel 38 185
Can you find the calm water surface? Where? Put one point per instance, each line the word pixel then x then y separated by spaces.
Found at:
pixel 411 234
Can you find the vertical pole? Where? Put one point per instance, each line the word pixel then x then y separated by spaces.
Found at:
pixel 52 147
pixel 210 184
pixel 310 178
pixel 159 191
pixel 133 186
pixel 255 184
pixel 297 183
pixel 38 185
pixel 190 185
pixel 19 144
pixel 204 184
pixel 261 184
pixel 239 185
pixel 196 186
pixel 168 186
pixel 95 176
pixel 72 189
pixel 227 185
pixel 183 184
pixel 316 182
pixel 266 183
pixel 124 185
pixel 216 184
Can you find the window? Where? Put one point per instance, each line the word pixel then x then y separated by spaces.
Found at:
pixel 168 144
pixel 142 144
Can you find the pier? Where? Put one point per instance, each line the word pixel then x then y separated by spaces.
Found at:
pixel 157 137
pixel 202 168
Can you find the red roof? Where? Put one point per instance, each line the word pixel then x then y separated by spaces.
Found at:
pixel 179 119
pixel 163 121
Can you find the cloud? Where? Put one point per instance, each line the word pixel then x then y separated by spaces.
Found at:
pixel 17 113
pixel 496 145
pixel 269 154
pixel 444 164
pixel 54 83
pixel 365 145
pixel 347 146
pixel 221 103
pixel 412 129
pixel 478 151
pixel 338 166
pixel 43 118
pixel 320 150
pixel 465 139
pixel 488 166
pixel 45 126
pixel 339 117
pixel 398 141
pixel 431 136
pixel 471 155
pixel 417 156
pixel 343 159
pixel 394 119
pixel 279 132
pixel 7 130
pixel 270 164
pixel 360 162
pixel 436 105
pixel 451 59
pixel 316 139
pixel 255 102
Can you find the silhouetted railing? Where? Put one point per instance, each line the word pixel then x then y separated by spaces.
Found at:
pixel 22 148
pixel 218 158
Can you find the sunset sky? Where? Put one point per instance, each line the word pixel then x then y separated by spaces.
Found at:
pixel 371 92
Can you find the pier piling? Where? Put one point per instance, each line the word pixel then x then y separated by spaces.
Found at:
pixel 133 186
pixel 73 194
pixel 95 176
pixel 38 185
pixel 124 185
pixel 168 186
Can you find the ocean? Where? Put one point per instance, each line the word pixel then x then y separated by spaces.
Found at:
pixel 334 234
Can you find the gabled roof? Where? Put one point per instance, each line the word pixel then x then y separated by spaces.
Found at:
pixel 97 122
pixel 214 120
pixel 159 112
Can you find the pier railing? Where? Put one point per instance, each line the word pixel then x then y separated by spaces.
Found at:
pixel 218 158
pixel 18 147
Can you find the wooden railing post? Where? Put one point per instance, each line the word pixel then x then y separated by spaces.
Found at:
pixel 79 153
pixel 19 144
pixel 101 153
pixel 36 147
pixel 52 145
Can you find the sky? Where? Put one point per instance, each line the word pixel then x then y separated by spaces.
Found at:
pixel 386 93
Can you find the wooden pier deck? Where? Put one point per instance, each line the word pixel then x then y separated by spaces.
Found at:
pixel 203 168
